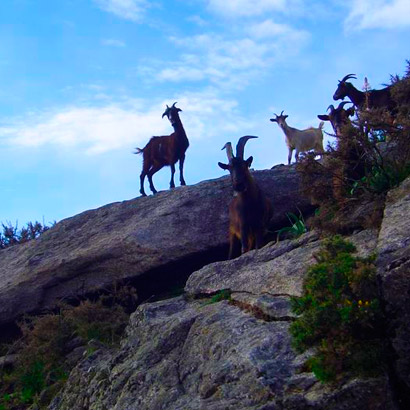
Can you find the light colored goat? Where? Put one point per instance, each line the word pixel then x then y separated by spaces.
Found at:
pixel 300 140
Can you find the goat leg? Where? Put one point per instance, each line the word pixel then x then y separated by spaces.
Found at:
pixel 142 177
pixel 234 246
pixel 290 155
pixel 259 239
pixel 151 172
pixel 245 240
pixel 181 170
pixel 172 183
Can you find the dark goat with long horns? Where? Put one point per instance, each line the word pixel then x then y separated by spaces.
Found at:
pixel 362 100
pixel 165 150
pixel 338 117
pixel 250 210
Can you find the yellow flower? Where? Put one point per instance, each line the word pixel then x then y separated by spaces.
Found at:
pixel 360 302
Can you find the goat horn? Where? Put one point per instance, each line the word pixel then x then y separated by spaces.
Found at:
pixel 240 146
pixel 347 77
pixel 281 113
pixel 332 108
pixel 174 104
pixel 229 151
pixel 342 104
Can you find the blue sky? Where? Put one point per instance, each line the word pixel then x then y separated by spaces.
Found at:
pixel 83 82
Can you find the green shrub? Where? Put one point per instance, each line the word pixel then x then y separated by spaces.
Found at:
pixel 340 314
pixel 11 235
pixel 224 294
pixel 43 367
pixel 297 226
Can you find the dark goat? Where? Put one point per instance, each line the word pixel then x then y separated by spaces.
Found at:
pixel 363 100
pixel 250 210
pixel 165 150
pixel 338 117
pixel 349 151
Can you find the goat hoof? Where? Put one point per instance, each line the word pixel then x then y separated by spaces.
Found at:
pixel 183 183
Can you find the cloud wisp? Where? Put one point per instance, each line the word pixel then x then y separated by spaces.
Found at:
pixel 378 14
pixel 95 130
pixel 247 8
pixel 133 10
pixel 111 42
pixel 228 61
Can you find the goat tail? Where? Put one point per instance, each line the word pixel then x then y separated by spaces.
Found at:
pixel 321 124
pixel 138 150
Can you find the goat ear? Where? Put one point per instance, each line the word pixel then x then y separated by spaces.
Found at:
pixel 179 110
pixel 285 116
pixel 223 166
pixel 274 120
pixel 323 117
pixel 249 162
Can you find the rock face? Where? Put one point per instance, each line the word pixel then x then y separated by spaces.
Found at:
pixel 265 279
pixel 394 269
pixel 126 240
pixel 189 355
pixel 195 355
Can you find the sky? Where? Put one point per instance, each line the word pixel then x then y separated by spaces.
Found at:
pixel 84 82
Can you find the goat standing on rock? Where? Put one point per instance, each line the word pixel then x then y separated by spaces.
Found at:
pixel 300 140
pixel 250 210
pixel 362 100
pixel 165 150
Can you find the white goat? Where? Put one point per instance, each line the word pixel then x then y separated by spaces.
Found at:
pixel 300 140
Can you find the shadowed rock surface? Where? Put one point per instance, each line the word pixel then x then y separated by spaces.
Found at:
pixel 130 239
pixel 192 354
pixel 181 355
pixel 394 269
pixel 184 354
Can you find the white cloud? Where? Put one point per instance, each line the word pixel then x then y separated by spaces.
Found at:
pixel 113 42
pixel 268 28
pixel 245 7
pixel 231 62
pixel 92 129
pixel 367 14
pixel 127 9
pixel 198 20
pixel 96 130
pixel 249 8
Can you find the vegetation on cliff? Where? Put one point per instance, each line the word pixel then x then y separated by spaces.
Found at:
pixel 340 314
pixel 52 344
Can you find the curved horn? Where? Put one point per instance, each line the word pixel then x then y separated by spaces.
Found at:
pixel 165 112
pixel 281 113
pixel 342 104
pixel 332 108
pixel 240 146
pixel 173 105
pixel 229 150
pixel 347 77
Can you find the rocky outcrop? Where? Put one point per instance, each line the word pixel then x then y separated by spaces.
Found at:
pixel 130 239
pixel 197 356
pixel 191 354
pixel 265 279
pixel 394 270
